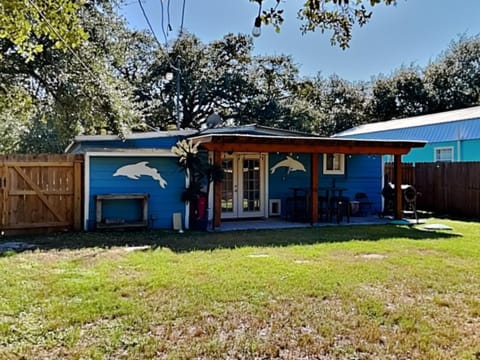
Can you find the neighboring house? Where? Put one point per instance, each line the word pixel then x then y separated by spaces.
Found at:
pixel 450 136
pixel 138 178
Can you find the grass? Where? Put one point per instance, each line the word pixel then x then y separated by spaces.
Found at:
pixel 359 292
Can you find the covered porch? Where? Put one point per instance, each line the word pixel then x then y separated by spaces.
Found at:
pixel 280 223
pixel 311 148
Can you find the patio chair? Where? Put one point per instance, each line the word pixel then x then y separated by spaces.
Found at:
pixel 365 205
pixel 340 207
pixel 323 209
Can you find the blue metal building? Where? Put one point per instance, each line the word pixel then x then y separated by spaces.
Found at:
pixel 450 136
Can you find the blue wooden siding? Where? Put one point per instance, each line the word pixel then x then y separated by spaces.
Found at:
pixel 469 151
pixel 363 173
pixel 437 135
pixel 427 153
pixel 281 182
pixel 162 203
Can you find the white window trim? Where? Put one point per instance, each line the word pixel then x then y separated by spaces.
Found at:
pixel 443 148
pixel 341 171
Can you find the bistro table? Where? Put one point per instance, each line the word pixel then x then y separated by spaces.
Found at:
pixel 300 203
pixel 332 193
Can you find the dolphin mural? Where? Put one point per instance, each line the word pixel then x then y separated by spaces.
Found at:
pixel 290 163
pixel 134 171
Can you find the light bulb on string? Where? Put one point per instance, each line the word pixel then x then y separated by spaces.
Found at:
pixel 257 27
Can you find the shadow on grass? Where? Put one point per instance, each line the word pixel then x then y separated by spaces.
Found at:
pixel 191 241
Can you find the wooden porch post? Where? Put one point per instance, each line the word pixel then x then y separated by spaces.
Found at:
pixel 217 193
pixel 398 186
pixel 314 189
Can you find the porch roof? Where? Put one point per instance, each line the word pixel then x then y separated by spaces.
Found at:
pixel 303 144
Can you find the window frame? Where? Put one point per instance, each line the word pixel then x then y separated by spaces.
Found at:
pixel 340 171
pixel 440 148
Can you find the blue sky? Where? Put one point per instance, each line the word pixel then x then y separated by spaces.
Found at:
pixel 412 32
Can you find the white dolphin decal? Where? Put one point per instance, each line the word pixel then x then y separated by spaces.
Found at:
pixel 134 171
pixel 290 163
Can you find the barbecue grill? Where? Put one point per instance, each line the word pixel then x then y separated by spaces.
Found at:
pixel 409 200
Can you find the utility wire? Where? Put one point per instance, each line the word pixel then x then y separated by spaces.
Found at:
pixel 163 23
pixel 169 26
pixel 183 17
pixel 148 22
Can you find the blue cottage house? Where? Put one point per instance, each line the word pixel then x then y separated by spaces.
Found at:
pixel 450 136
pixel 267 172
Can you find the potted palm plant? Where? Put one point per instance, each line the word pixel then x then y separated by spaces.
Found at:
pixel 200 174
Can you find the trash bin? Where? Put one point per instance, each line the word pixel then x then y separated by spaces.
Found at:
pixel 354 207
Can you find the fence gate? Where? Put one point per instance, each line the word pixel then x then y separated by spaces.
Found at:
pixel 40 192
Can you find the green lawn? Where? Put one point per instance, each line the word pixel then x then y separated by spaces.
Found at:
pixel 359 292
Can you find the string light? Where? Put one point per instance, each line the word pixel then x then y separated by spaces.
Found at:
pixel 257 25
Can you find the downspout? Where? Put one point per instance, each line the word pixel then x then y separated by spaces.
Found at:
pixel 459 150
pixel 459 145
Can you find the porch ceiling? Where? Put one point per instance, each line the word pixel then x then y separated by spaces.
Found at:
pixel 303 144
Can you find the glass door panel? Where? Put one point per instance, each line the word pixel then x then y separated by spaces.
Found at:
pixel 251 186
pixel 228 189
pixel 243 186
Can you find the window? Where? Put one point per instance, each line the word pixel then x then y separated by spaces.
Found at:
pixel 334 164
pixel 444 154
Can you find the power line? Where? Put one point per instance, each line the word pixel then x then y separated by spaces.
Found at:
pixel 163 23
pixel 183 16
pixel 148 22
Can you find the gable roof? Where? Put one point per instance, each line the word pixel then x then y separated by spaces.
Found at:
pixel 253 129
pixel 86 143
pixel 456 124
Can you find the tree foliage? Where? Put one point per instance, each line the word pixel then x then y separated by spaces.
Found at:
pixel 116 81
pixel 211 77
pixel 400 95
pixel 335 16
pixel 26 24
pixel 453 80
pixel 85 90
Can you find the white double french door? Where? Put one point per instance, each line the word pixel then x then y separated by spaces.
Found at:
pixel 243 186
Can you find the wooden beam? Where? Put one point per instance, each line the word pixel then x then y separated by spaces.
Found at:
pixel 398 187
pixel 40 194
pixel 32 192
pixel 217 193
pixel 314 189
pixel 302 144
pixel 39 225
pixel 67 164
pixel 296 148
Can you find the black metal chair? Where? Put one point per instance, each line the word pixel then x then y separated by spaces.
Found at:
pixel 340 207
pixel 297 209
pixel 323 208
pixel 365 206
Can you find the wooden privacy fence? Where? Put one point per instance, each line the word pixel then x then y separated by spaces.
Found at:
pixel 451 188
pixel 40 192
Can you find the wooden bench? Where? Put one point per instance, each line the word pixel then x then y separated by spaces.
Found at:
pixel 101 223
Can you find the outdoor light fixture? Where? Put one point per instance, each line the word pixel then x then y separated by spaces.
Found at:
pixel 257 27
pixel 169 76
